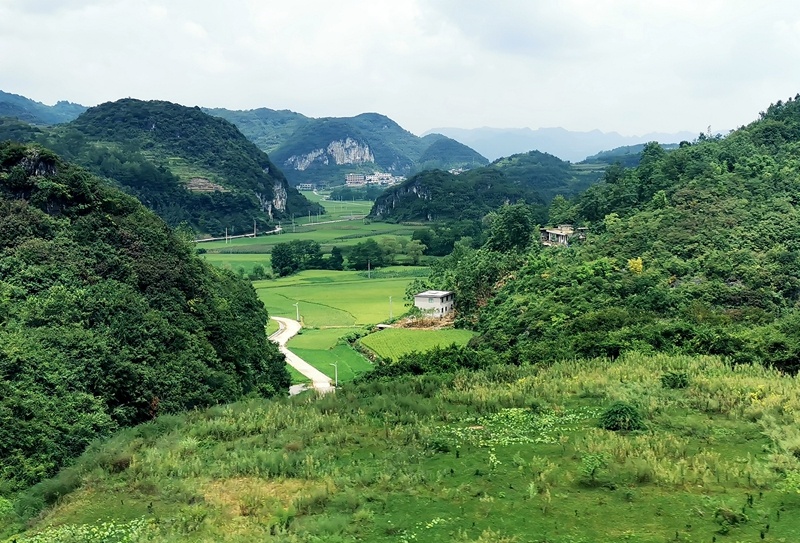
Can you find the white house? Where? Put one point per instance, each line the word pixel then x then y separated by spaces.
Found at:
pixel 435 303
pixel 562 235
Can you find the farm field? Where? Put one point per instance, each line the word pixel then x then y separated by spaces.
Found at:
pixel 338 298
pixel 239 260
pixel 395 342
pixel 506 454
pixel 320 348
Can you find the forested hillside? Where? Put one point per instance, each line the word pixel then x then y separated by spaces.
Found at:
pixel 694 251
pixel 324 150
pixel 267 128
pixel 183 164
pixel 107 318
pixel 27 110
pixel 440 196
pixel 627 156
pixel 435 195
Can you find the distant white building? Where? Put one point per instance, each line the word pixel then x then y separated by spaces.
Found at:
pixel 562 235
pixel 355 180
pixel 375 178
pixel 435 303
pixel 305 186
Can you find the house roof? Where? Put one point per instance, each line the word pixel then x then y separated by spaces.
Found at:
pixel 433 294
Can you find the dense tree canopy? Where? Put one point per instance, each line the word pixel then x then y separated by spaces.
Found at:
pixel 107 318
pixel 696 250
pixel 153 149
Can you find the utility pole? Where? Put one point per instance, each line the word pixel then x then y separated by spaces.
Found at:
pixel 336 372
pixel 254 228
pixel 390 308
pixel 297 307
pixel 226 236
pixel 369 270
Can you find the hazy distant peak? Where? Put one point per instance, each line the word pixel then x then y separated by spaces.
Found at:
pixel 574 146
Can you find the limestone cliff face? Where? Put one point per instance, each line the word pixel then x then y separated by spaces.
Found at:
pixel 37 166
pixel 346 151
pixel 391 199
pixel 278 200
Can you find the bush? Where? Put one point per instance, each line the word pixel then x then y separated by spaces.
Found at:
pixel 675 379
pixel 621 416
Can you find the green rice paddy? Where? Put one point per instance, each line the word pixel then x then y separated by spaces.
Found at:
pixel 337 298
pixel 395 342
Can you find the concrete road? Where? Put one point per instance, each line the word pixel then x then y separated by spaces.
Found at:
pixel 288 329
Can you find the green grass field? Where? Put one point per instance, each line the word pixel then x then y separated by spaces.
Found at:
pixel 319 347
pixel 235 261
pixel 339 234
pixel 395 342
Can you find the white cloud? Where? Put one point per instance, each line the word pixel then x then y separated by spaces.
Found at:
pixel 622 65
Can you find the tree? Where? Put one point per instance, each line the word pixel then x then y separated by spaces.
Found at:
pixel 283 261
pixel 336 261
pixel 365 254
pixel 390 247
pixel 414 249
pixel 296 255
pixel 561 211
pixel 511 228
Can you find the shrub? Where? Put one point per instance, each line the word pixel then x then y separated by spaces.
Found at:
pixel 621 416
pixel 675 379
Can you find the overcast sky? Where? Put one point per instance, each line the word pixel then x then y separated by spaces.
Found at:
pixel 626 66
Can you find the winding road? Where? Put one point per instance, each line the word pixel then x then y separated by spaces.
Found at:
pixel 288 329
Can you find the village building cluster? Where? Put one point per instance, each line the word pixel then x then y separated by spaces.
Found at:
pixel 376 178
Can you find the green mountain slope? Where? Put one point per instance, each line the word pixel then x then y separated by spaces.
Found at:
pixel 435 195
pixel 324 150
pixel 548 175
pixel 694 251
pixel 627 156
pixel 267 128
pixel 25 109
pixel 447 154
pixel 180 162
pixel 535 177
pixel 107 318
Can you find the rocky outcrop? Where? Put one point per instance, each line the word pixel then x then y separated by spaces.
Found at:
pixel 350 151
pixel 392 198
pixel 346 151
pixel 279 196
pixel 36 165
pixel 277 202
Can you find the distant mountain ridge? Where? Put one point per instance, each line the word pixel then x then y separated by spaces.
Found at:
pixel 323 150
pixel 25 109
pixel 494 143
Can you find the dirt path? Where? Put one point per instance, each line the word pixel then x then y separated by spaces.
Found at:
pixel 288 329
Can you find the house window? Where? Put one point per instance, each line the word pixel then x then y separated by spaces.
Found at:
pixel 430 300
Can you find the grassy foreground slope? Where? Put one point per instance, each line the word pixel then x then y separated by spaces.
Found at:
pixel 505 454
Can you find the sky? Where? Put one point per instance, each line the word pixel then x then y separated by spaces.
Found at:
pixel 632 67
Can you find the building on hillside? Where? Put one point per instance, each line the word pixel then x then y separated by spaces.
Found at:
pixel 562 235
pixel 305 186
pixel 435 303
pixel 355 180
